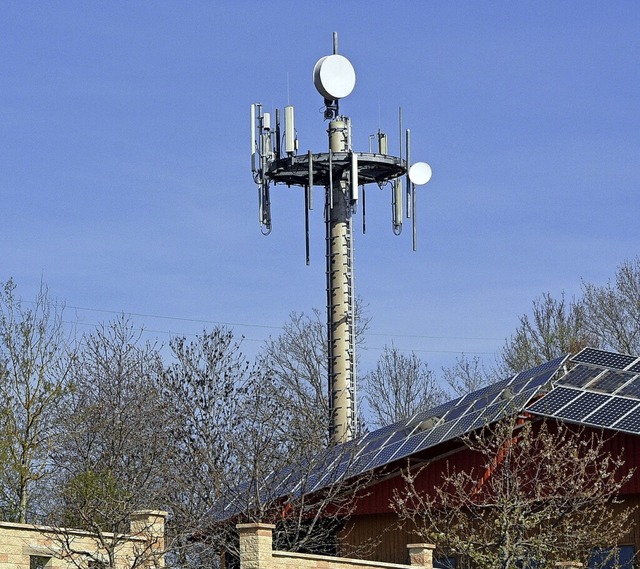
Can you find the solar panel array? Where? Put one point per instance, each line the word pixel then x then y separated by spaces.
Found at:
pixel 449 420
pixel 601 390
pixel 422 431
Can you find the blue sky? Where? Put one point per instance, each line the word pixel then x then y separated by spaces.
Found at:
pixel 124 166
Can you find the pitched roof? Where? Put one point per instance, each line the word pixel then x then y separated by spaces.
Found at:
pixel 595 388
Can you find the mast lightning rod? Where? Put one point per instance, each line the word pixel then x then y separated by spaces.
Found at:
pixel 340 171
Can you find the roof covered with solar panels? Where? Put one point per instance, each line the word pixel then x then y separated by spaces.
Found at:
pixel 601 390
pixel 594 388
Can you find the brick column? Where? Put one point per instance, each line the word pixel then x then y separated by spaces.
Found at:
pixel 256 545
pixel 421 555
pixel 149 524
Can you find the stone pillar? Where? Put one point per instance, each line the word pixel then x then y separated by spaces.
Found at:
pixel 421 555
pixel 149 524
pixel 256 545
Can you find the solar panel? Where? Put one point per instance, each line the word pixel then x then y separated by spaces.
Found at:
pixel 487 400
pixel 439 411
pixel 458 411
pixel 553 401
pixel 435 436
pixel 463 425
pixel 580 375
pixel 488 415
pixel 582 406
pixel 411 444
pixel 611 380
pixel 589 394
pixel 362 462
pixel 597 391
pixel 612 411
pixel 630 422
pixel 631 389
pixel 336 464
pixel 542 368
pixel 541 379
pixel 374 441
pixel 475 410
pixel 603 359
pixel 487 394
pixel 537 376
pixel 400 435
pixel 386 455
pixel 384 433
pixel 520 401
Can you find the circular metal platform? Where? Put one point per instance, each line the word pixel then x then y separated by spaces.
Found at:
pixel 294 170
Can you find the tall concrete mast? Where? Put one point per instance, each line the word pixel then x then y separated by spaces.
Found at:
pixel 340 289
pixel 344 175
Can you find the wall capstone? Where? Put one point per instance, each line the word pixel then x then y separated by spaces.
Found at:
pixel 421 554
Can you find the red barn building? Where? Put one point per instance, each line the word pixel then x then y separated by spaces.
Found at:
pixel 594 391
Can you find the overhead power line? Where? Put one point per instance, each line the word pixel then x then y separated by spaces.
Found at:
pixel 275 327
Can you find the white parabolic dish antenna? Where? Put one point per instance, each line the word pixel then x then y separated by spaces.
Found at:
pixel 420 173
pixel 334 77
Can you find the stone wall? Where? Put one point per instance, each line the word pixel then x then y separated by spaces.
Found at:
pixel 256 552
pixel 27 546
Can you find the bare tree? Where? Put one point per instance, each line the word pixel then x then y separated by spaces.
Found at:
pixel 467 375
pixel 539 493
pixel 203 388
pixel 240 454
pixel 556 327
pixel 295 363
pixel 112 451
pixel 400 386
pixel 606 317
pixel 613 310
pixel 34 367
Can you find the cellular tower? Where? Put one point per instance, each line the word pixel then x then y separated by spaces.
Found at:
pixel 343 173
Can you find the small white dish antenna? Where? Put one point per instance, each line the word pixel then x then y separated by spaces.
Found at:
pixel 420 173
pixel 334 77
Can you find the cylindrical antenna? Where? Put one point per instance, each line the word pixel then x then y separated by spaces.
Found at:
pixel 265 208
pixel 277 149
pixel 289 131
pixel 335 43
pixel 253 138
pixel 354 177
pixel 396 205
pixel 383 146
